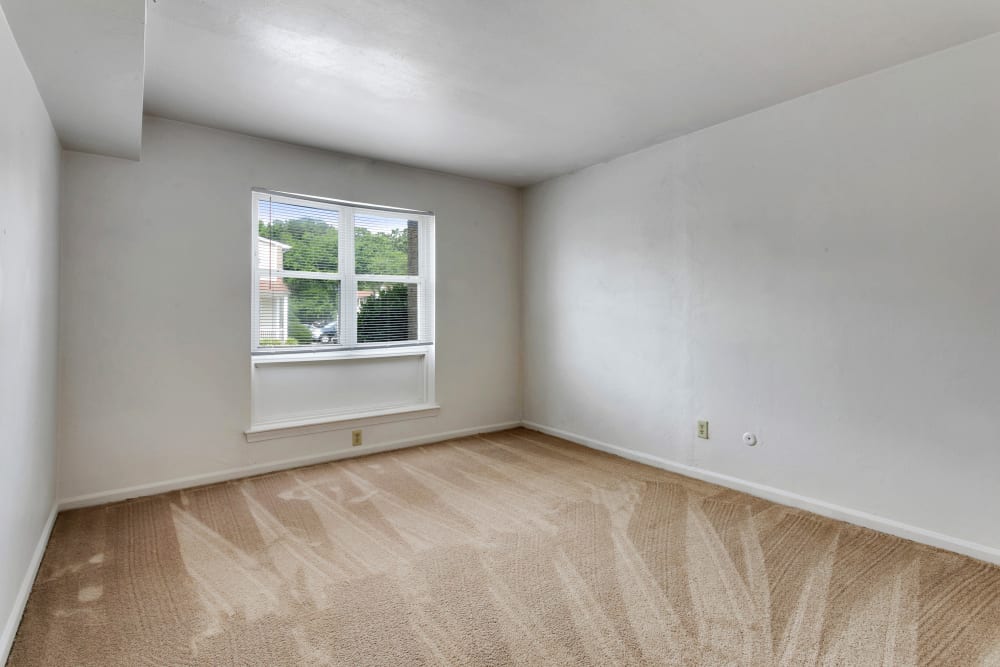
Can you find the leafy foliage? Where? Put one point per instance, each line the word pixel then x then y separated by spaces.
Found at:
pixel 381 253
pixel 299 331
pixel 385 316
pixel 277 342
pixel 314 247
pixel 313 243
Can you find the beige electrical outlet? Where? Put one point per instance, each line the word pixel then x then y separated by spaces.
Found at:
pixel 703 429
pixel 356 438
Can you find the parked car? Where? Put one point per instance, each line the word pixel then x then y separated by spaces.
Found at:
pixel 324 333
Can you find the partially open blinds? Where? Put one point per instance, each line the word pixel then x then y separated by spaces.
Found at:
pixel 330 275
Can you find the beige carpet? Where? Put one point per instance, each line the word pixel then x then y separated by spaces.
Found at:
pixel 509 548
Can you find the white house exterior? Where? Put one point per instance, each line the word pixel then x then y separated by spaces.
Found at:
pixel 273 291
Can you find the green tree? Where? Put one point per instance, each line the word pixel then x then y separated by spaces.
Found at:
pixel 386 316
pixel 314 246
pixel 381 253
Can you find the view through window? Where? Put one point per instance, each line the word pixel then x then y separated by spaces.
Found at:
pixel 330 275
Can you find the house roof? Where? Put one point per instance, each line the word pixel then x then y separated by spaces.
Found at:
pixel 279 244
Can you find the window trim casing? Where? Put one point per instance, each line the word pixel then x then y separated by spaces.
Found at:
pixel 347 320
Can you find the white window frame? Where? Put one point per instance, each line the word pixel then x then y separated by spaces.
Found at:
pixel 347 345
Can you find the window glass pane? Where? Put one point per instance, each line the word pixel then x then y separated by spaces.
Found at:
pixel 296 237
pixel 384 245
pixel 298 311
pixel 387 312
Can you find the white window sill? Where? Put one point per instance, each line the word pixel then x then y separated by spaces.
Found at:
pixel 291 428
pixel 330 356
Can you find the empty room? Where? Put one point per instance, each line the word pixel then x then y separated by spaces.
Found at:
pixel 606 332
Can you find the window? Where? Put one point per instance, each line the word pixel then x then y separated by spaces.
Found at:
pixel 342 315
pixel 331 275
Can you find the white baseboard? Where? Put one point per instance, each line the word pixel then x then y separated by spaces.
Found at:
pixel 831 510
pixel 115 495
pixel 857 517
pixel 14 620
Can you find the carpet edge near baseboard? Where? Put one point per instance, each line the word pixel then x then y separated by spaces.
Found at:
pixel 830 510
pixel 21 600
pixel 202 479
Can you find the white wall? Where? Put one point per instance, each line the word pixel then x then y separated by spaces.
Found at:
pixel 155 380
pixel 29 264
pixel 824 272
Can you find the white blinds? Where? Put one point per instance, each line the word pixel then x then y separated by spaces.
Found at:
pixel 329 275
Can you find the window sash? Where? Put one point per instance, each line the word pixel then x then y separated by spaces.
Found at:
pixel 347 317
pixel 306 275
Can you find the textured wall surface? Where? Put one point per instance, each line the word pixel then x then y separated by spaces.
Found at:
pixel 822 272
pixel 29 268
pixel 156 302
